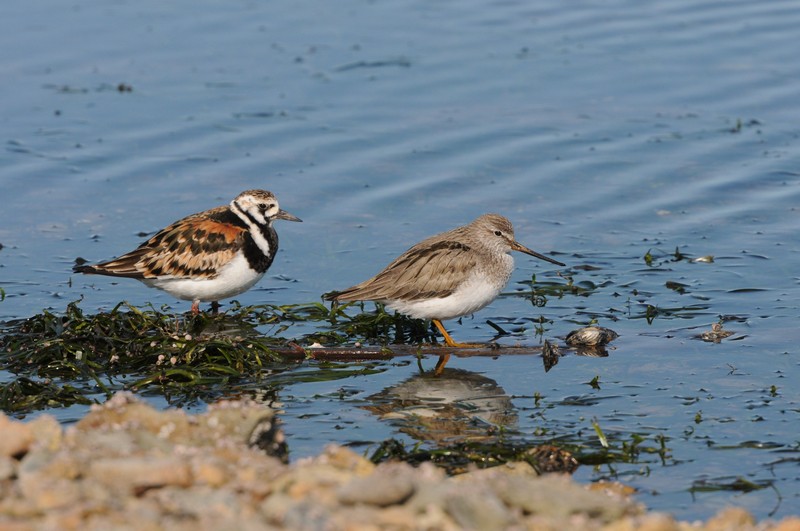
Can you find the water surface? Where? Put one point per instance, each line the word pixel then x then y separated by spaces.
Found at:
pixel 604 131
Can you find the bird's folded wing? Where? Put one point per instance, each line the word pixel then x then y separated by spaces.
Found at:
pixel 422 272
pixel 194 247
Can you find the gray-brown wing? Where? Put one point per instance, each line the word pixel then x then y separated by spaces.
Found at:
pixel 194 247
pixel 424 271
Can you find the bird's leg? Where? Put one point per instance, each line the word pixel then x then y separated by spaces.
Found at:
pixel 214 307
pixel 449 340
pixel 439 369
pixel 195 307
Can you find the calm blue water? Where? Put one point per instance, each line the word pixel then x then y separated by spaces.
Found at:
pixel 603 130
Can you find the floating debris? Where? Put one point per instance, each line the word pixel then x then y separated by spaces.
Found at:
pixel 399 62
pixel 676 286
pixel 591 336
pixel 716 334
pixel 546 459
pixel 550 355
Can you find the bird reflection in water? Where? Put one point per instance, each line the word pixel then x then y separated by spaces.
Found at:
pixel 458 406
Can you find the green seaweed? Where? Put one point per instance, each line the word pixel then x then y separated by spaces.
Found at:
pixel 555 455
pixel 63 359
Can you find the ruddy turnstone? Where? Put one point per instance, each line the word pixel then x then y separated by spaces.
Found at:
pixel 207 256
pixel 449 275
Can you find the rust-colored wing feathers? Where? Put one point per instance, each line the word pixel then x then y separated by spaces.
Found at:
pixel 194 247
pixel 424 271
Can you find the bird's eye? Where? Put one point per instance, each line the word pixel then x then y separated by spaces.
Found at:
pixel 262 207
pixel 498 233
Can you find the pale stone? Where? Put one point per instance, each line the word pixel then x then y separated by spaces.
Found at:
pixel 789 524
pixel 47 432
pixel 389 484
pixel 477 508
pixel 47 494
pixel 17 437
pixel 731 519
pixel 345 459
pixel 46 479
pixel 657 522
pixel 7 468
pixel 209 473
pixel 649 522
pixel 276 506
pixel 134 474
pixel 624 524
pixel 558 496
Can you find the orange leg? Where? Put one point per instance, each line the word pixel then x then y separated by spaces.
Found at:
pixel 439 369
pixel 449 340
pixel 195 307
pixel 444 358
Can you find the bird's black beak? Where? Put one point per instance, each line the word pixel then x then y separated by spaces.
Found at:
pixel 282 214
pixel 521 248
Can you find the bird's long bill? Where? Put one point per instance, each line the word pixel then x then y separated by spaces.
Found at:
pixel 521 248
pixel 282 214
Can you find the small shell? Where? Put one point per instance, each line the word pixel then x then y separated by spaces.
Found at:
pixel 716 334
pixel 591 336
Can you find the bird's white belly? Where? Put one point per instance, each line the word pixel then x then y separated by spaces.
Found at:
pixel 233 279
pixel 471 296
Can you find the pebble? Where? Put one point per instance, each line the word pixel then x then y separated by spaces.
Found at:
pixel 716 334
pixel 390 484
pixel 477 509
pixel 135 475
pixel 16 439
pixel 127 466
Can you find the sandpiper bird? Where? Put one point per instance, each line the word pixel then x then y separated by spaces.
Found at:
pixel 449 275
pixel 207 256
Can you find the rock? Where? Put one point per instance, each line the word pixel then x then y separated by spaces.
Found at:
pixel 135 475
pixel 556 496
pixel 209 472
pixel 345 459
pixel 789 524
pixel 477 508
pixel 8 468
pixel 16 439
pixel 657 522
pixel 389 484
pixel 47 432
pixel 731 519
pixel 47 481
